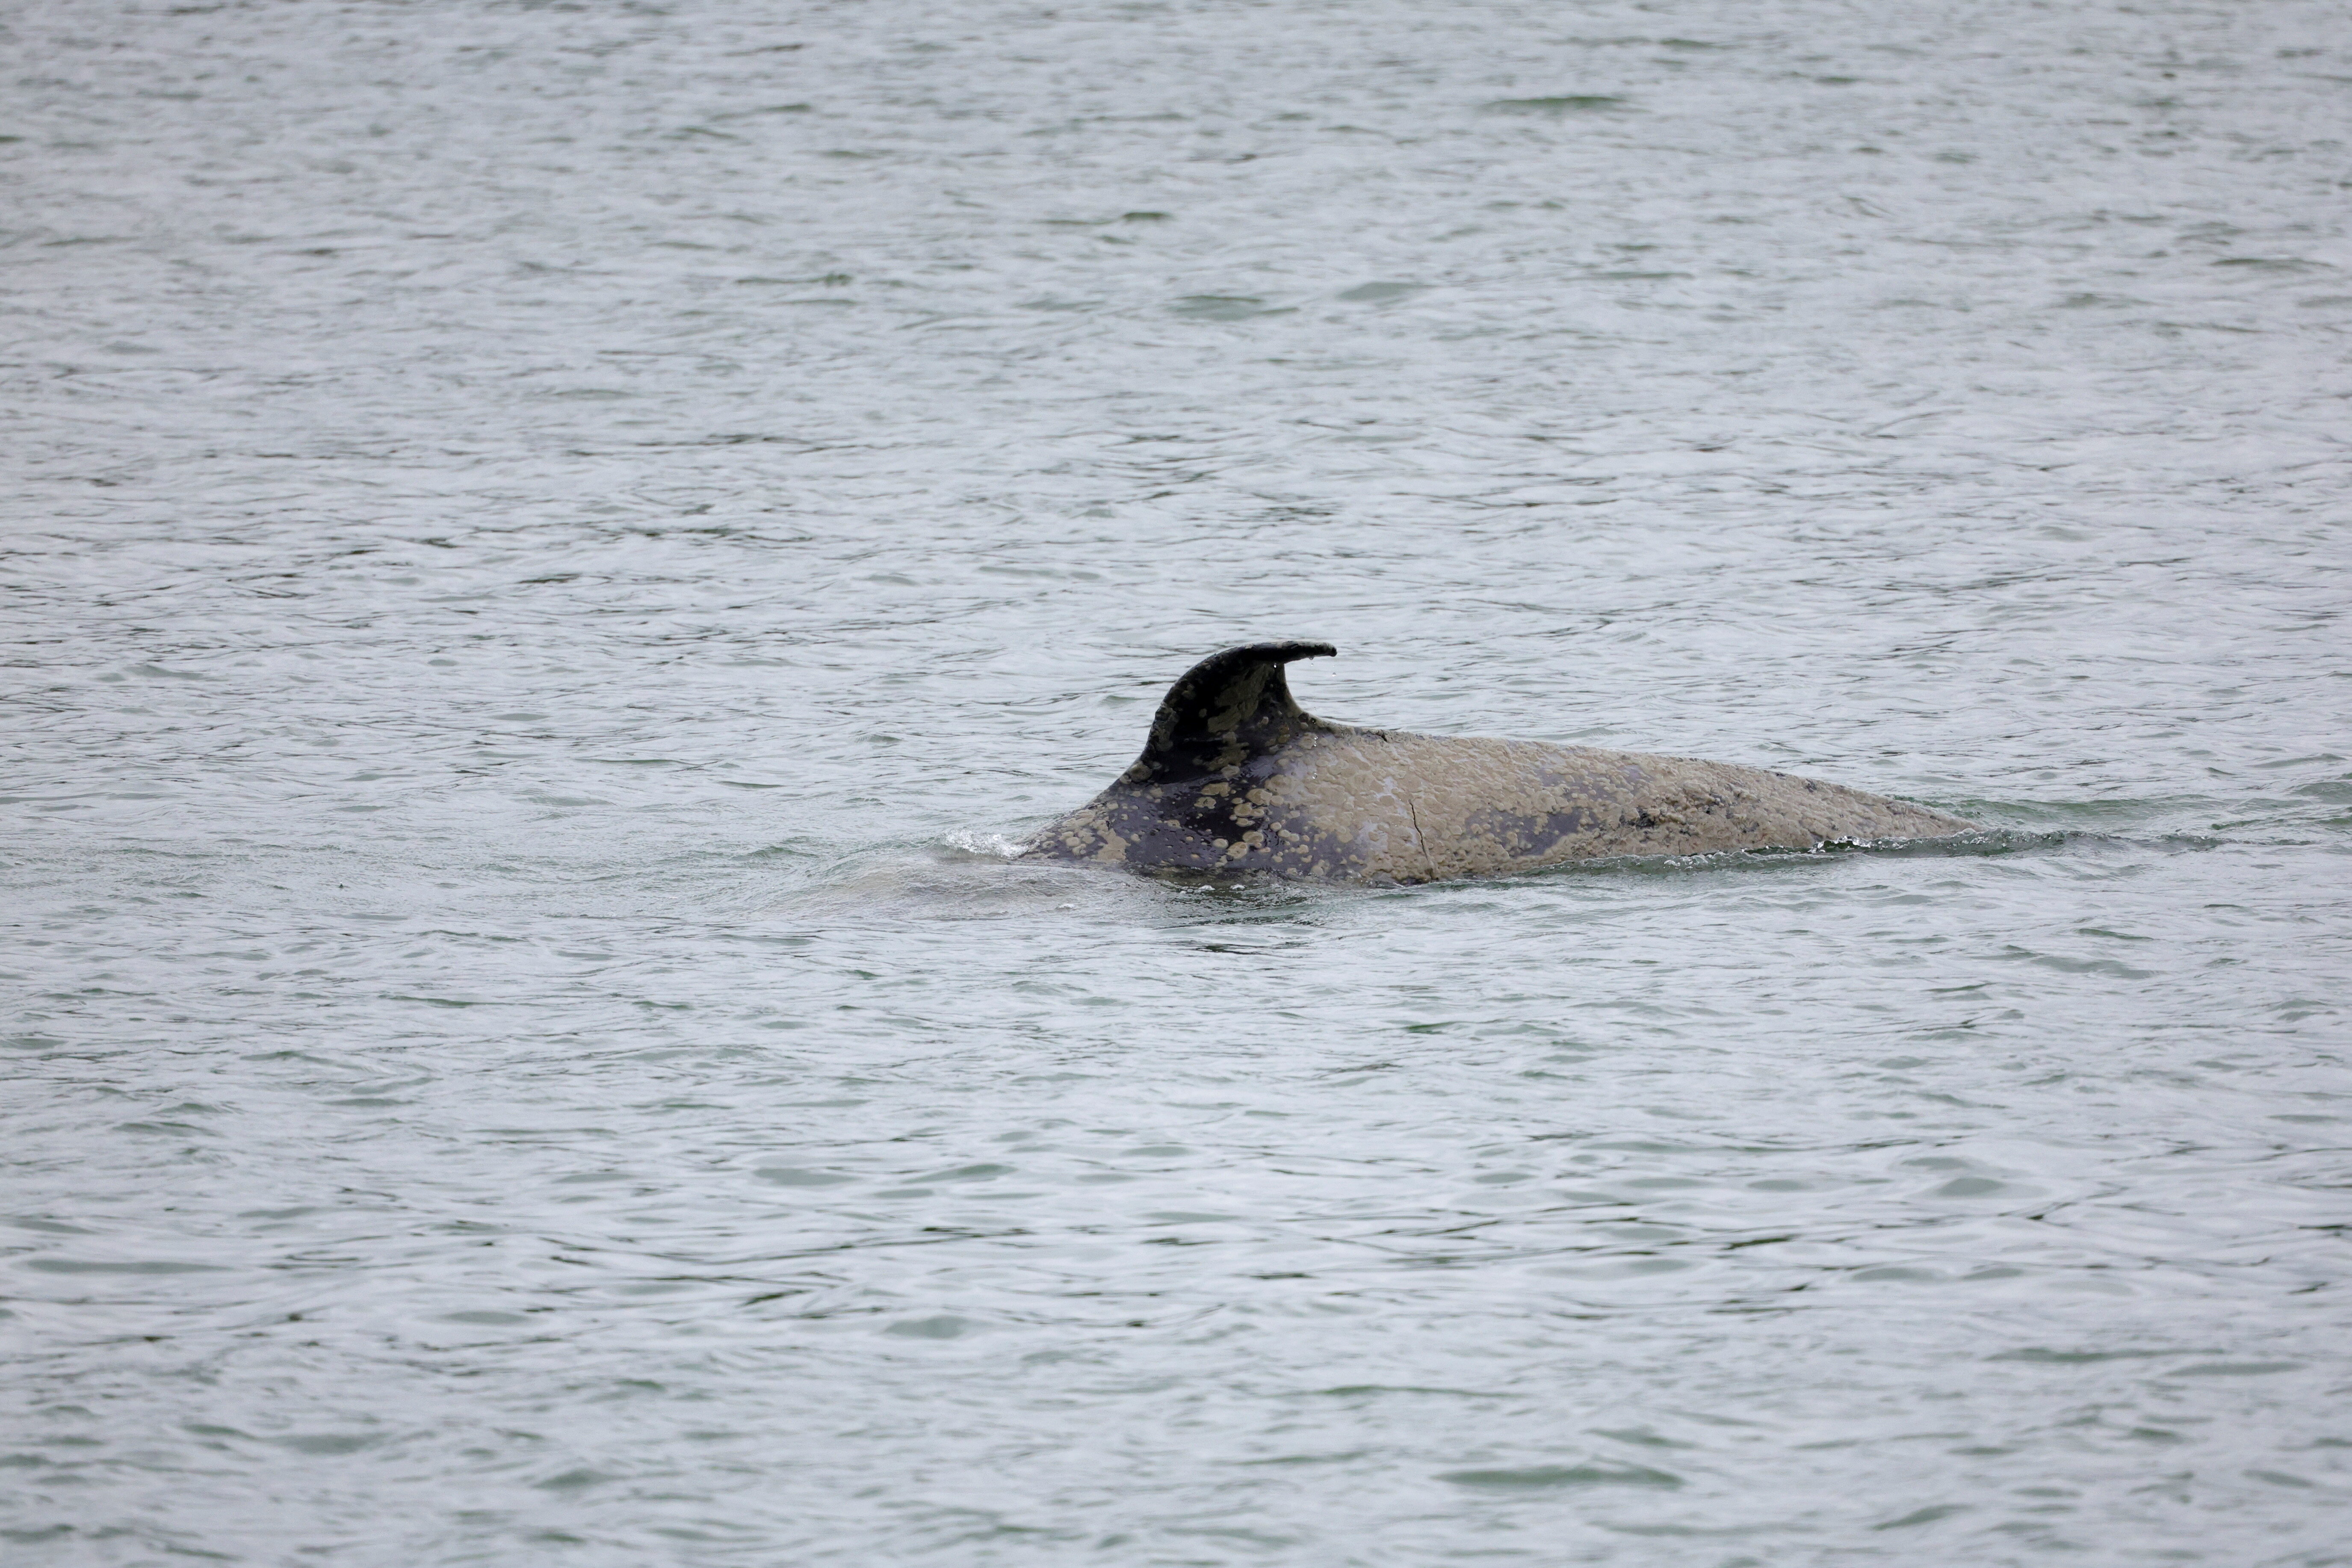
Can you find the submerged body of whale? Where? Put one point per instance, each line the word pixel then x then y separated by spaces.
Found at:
pixel 1238 779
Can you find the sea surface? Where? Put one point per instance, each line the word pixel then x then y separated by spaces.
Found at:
pixel 553 550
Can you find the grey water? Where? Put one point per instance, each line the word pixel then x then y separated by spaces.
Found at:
pixel 553 550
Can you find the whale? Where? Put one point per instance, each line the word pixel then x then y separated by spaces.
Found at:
pixel 1237 781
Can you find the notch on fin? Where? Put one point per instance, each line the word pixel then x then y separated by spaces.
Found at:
pixel 1225 709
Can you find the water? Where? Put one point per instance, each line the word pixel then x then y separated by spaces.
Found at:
pixel 552 550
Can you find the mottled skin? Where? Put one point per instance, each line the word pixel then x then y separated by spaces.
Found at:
pixel 1236 778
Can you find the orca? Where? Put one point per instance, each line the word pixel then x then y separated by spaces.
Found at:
pixel 1237 780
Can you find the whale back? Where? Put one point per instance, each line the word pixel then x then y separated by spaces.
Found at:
pixel 1236 777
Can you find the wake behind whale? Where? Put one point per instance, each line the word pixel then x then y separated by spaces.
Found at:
pixel 1236 778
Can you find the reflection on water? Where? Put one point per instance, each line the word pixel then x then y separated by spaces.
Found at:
pixel 558 549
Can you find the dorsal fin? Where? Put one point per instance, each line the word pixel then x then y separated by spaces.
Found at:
pixel 1225 709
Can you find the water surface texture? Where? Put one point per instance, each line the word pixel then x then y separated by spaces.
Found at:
pixel 551 551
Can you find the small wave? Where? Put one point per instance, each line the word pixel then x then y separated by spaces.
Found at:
pixel 965 844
